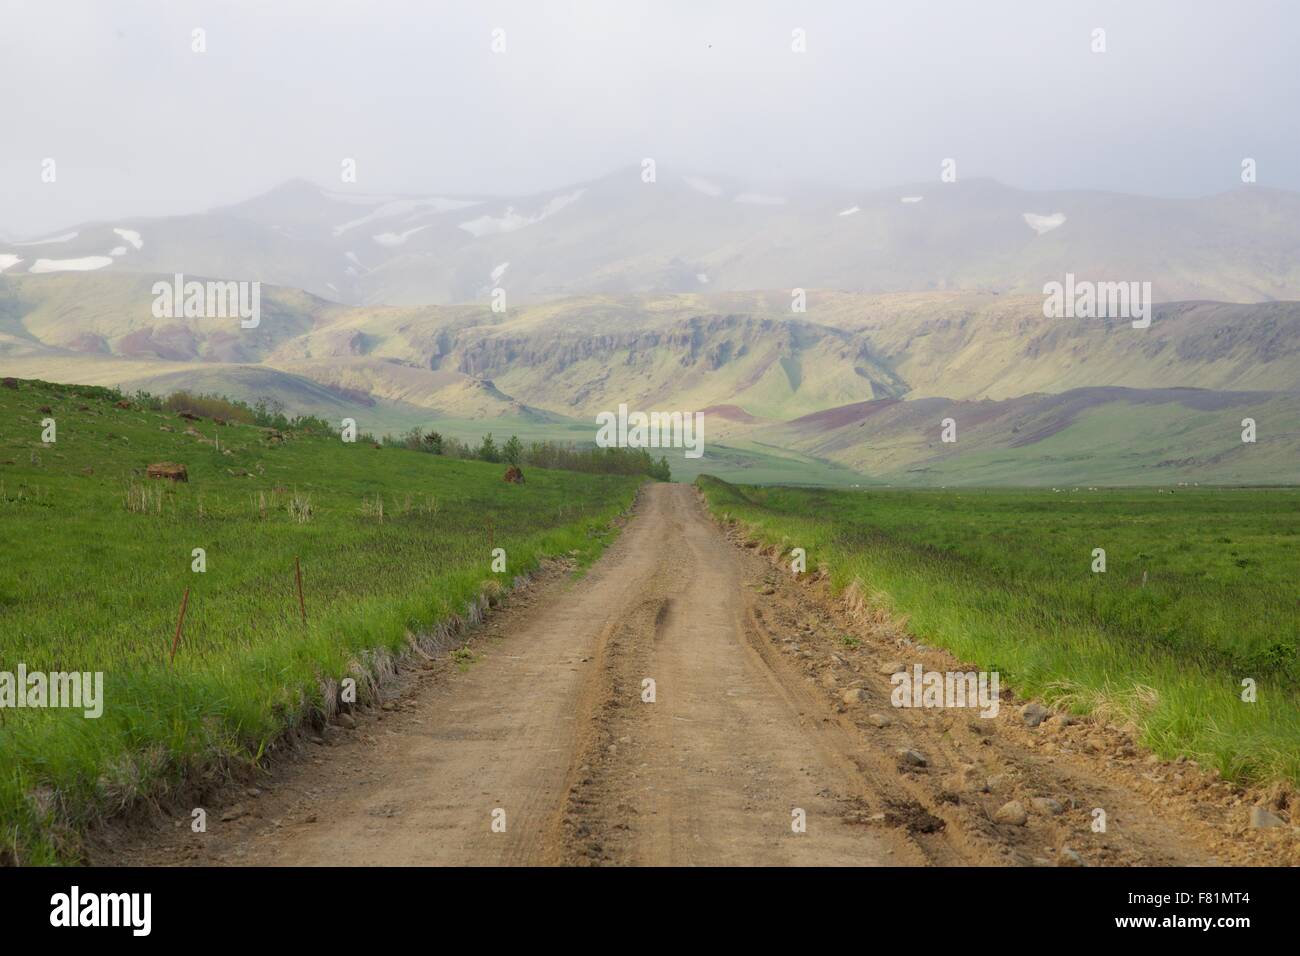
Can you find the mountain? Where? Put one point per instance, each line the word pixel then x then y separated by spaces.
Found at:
pixel 857 385
pixel 695 233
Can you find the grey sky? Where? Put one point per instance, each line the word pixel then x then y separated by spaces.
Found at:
pixel 139 124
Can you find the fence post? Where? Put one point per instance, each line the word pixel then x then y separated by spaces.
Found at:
pixel 176 641
pixel 302 605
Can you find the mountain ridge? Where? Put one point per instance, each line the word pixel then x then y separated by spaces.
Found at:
pixel 696 232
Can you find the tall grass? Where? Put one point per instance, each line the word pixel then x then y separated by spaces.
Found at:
pixel 1198 595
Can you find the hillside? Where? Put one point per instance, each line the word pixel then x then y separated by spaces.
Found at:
pixel 394 548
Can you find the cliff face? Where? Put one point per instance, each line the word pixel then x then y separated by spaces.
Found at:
pixel 711 359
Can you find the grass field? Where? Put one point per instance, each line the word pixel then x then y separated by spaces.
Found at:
pixel 97 558
pixel 1199 593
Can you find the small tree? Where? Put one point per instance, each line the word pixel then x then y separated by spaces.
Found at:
pixel 512 451
pixel 433 442
pixel 488 450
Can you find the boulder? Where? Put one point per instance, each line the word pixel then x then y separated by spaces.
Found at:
pixel 1012 813
pixel 1033 714
pixel 169 470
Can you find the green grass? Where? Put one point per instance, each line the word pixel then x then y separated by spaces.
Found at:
pixel 1004 579
pixel 88 585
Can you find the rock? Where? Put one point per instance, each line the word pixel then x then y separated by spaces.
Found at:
pixel 1069 857
pixel 854 695
pixel 829 679
pixel 348 721
pixel 234 813
pixel 893 667
pixel 913 758
pixel 878 720
pixel 513 475
pixel 1012 813
pixel 1033 714
pixel 1046 806
pixel 1262 817
pixel 970 780
pixel 46 410
pixel 169 470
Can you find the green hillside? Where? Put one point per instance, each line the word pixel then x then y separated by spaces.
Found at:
pixel 391 544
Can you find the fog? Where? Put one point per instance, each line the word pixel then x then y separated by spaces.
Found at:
pixel 139 123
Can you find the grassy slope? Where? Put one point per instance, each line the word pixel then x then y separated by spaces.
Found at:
pixel 1003 578
pixel 1121 444
pixel 1118 440
pixel 89 585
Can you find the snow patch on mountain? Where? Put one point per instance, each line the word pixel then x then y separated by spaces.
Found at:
pixel 910 198
pixel 511 221
pixel 1041 224
pixel 84 264
pixel 394 239
pixel 7 260
pixel 851 211
pixel 131 236
pixel 499 271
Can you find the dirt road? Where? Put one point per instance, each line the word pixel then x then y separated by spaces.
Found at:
pixel 685 703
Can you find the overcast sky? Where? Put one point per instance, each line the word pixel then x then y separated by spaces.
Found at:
pixel 138 123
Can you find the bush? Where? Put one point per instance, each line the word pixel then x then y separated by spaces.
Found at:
pixel 512 451
pixel 488 450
